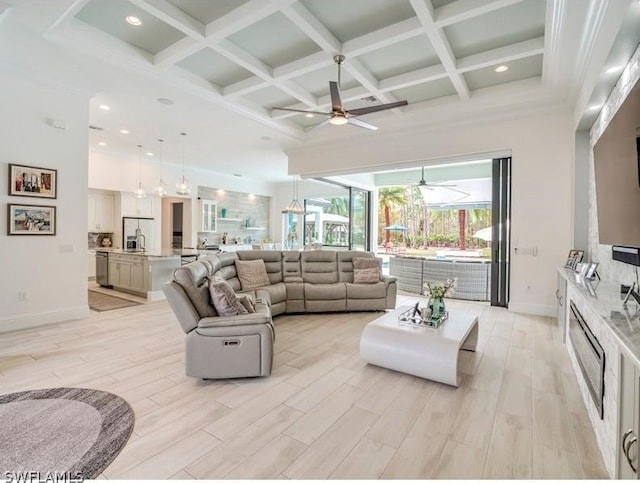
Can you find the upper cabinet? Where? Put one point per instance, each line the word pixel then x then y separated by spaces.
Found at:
pixel 100 213
pixel 137 207
pixel 208 215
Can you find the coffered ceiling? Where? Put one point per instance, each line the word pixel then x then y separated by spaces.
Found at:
pixel 247 56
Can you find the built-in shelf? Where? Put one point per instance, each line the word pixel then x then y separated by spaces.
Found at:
pixel 230 219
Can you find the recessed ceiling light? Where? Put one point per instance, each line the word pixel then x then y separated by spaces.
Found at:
pixel 124 131
pixel 133 20
pixel 149 154
pixel 104 107
pixel 165 101
pixel 613 69
pixel 502 68
pixel 102 143
pixel 265 138
pixel 308 114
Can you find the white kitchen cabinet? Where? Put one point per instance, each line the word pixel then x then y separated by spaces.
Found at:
pixel 91 265
pixel 208 215
pixel 132 206
pixel 100 213
pixel 126 272
pixel 137 276
pixel 629 429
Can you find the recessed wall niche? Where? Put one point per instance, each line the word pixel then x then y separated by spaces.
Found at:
pixel 242 216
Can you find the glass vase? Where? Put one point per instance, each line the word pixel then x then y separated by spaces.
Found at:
pixel 436 304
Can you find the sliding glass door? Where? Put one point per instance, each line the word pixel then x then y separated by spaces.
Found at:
pixel 500 235
pixel 360 219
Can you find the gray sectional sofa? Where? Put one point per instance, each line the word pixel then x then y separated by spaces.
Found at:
pixel 300 282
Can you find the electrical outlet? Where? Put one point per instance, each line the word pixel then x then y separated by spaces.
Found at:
pixel 22 296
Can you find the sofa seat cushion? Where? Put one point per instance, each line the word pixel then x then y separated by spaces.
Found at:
pixel 366 290
pixel 277 292
pixel 252 274
pixel 325 291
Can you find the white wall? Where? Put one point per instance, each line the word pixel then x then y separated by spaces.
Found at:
pixel 51 270
pixel 542 185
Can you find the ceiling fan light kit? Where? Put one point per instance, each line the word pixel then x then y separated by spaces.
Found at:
pixel 339 115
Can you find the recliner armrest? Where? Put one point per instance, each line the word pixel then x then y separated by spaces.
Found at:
pixel 387 279
pixel 234 320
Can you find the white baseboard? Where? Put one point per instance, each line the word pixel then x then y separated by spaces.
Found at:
pixel 155 296
pixel 534 309
pixel 36 319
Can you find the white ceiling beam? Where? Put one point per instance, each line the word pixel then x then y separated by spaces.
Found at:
pixel 310 63
pixel 244 87
pixel 171 15
pixel 465 9
pixel 383 37
pixel 311 26
pixel 369 82
pixel 74 6
pixel 440 44
pixel 408 79
pixel 520 50
pixel 230 23
pixel 241 57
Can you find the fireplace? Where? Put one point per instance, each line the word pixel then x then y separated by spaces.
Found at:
pixel 590 356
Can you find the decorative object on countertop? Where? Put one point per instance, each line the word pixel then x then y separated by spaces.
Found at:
pixel 225 237
pixel 574 257
pixel 69 431
pixel 32 181
pixel 250 222
pixel 592 271
pixel 31 220
pixel 421 316
pixel 436 292
pixel 106 242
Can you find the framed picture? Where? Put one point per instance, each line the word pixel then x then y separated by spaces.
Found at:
pixel 591 271
pixel 575 257
pixel 32 181
pixel 31 220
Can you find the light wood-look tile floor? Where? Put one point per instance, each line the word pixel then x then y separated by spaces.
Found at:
pixel 323 413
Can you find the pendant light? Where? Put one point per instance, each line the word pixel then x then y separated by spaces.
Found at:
pixel 161 188
pixel 182 186
pixel 140 191
pixel 294 207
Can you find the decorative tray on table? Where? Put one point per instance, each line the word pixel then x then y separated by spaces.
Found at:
pixel 421 317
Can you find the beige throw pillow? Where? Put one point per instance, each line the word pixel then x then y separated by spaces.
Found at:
pixel 252 274
pixel 367 270
pixel 224 299
pixel 248 304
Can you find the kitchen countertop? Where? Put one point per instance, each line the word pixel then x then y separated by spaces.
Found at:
pixel 605 299
pixel 160 253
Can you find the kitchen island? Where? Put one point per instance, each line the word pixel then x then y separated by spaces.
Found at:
pixel 142 273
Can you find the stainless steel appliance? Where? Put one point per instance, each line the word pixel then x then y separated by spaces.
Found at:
pixel 590 356
pixel 102 269
pixel 138 233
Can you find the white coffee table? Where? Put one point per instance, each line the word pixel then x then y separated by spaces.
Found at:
pixel 419 350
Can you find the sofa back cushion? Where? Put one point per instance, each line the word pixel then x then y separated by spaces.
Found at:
pixel 291 269
pixel 227 269
pixel 252 274
pixel 345 263
pixel 192 277
pixel 319 266
pixel 272 262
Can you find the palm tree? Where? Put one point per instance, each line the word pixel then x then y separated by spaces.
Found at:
pixel 387 197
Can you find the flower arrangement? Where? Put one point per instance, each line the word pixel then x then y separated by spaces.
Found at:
pixel 439 289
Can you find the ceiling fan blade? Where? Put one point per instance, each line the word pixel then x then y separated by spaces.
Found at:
pixel 381 107
pixel 360 123
pixel 336 102
pixel 300 110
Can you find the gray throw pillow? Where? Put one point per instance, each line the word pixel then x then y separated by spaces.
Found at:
pixel 224 299
pixel 367 270
pixel 248 304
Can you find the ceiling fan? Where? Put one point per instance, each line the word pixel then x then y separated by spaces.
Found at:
pixel 426 187
pixel 339 115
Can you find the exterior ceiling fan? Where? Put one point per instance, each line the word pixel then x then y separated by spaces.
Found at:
pixel 339 115
pixel 425 188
